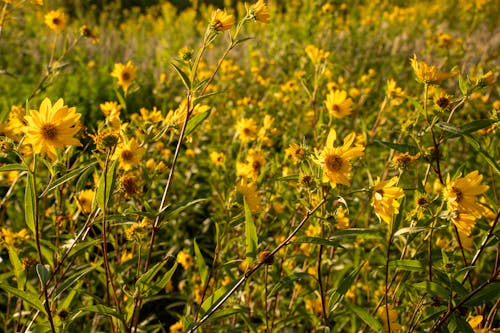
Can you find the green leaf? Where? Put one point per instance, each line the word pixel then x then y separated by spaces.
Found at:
pixel 241 40
pixel 13 167
pixel 19 272
pixel 67 177
pixel 183 76
pixel 216 296
pixel 288 281
pixel 462 83
pixel 198 99
pixel 409 230
pixel 407 265
pixel 344 285
pixel 459 325
pixel 195 121
pixel 490 293
pixel 72 279
pixel 106 185
pixel 432 288
pixel 30 203
pixel 171 212
pixel 148 285
pixel 43 272
pixel 370 320
pixel 251 239
pixel 339 236
pixel 26 296
pixel 491 161
pixel 401 147
pixel 102 309
pixel 474 126
pixel 200 262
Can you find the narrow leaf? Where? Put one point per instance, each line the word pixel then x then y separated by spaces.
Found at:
pixel 407 265
pixel 370 320
pixel 19 272
pixel 43 272
pixel 288 281
pixel 195 121
pixel 343 287
pixel 216 296
pixel 250 234
pixel 432 288
pixel 106 183
pixel 102 309
pixel 401 147
pixel 67 177
pixel 28 297
pixel 200 262
pixel 13 167
pixel 29 203
pixel 183 76
pixel 490 293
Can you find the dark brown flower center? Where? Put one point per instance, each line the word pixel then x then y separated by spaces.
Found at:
pixel 56 21
pixel 125 76
pixel 49 131
pixel 127 155
pixel 458 193
pixel 334 162
pixel 443 102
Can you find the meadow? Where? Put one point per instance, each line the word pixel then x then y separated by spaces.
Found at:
pixel 268 166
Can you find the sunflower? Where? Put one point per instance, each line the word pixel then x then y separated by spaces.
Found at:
pixel 51 127
pixel 246 129
pixel 249 192
pixel 461 193
pixel 336 161
pixel 428 74
pixel 221 20
pixel 125 74
pixel 260 12
pixel 384 199
pixel 130 154
pixel 338 104
pixel 252 167
pixel 55 20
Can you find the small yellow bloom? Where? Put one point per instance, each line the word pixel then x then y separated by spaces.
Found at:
pixel 316 55
pixel 428 74
pixel 260 12
pixel 217 158
pixel 390 316
pixel 55 20
pixel 252 167
pixel 246 128
pixel 461 193
pixel 249 192
pixel 10 238
pixel 125 74
pixel 86 32
pixel 338 104
pixel 130 154
pixel 51 127
pixel 221 20
pixel 185 259
pixel 84 201
pixel 178 327
pixel 295 152
pixel 336 161
pixel 341 218
pixel 384 199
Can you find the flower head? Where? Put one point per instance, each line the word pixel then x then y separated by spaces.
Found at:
pixel 252 167
pixel 125 74
pixel 246 129
pixel 316 55
pixel 260 12
pixel 336 161
pixel 384 199
pixel 249 192
pixel 185 259
pixel 55 20
pixel 130 154
pixel 338 104
pixel 428 74
pixel 295 152
pixel 217 158
pixel 51 127
pixel 461 193
pixel 84 201
pixel 221 20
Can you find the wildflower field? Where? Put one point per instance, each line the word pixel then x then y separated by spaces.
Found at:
pixel 269 166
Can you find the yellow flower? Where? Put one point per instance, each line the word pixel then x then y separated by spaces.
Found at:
pixel 260 12
pixel 393 90
pixel 461 193
pixel 130 154
pixel 384 199
pixel 252 167
pixel 55 20
pixel 295 152
pixel 221 20
pixel 428 74
pixel 341 218
pixel 338 104
pixel 10 238
pixel 246 129
pixel 217 158
pixel 88 33
pixel 316 55
pixel 178 327
pixel 84 201
pixel 51 127
pixel 185 259
pixel 109 107
pixel 336 161
pixel 249 192
pixel 389 316
pixel 15 122
pixel 125 74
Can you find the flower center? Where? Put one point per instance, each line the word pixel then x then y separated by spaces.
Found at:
pixel 458 193
pixel 49 131
pixel 125 76
pixel 256 166
pixel 127 155
pixel 334 162
pixel 56 21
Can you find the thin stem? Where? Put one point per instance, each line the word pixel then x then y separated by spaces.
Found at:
pixel 266 268
pixel 253 269
pixel 387 261
pixel 321 288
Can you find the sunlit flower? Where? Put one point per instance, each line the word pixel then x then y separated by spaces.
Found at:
pixel 295 152
pixel 185 259
pixel 125 74
pixel 316 55
pixel 15 123
pixel 221 20
pixel 246 128
pixel 249 192
pixel 428 74
pixel 84 201
pixel 51 127
pixel 260 12
pixel 88 33
pixel 135 229
pixel 390 316
pixel 130 154
pixel 252 167
pixel 442 100
pixel 338 104
pixel 461 193
pixel 55 20
pixel 341 218
pixel 10 238
pixel 336 161
pixel 384 199
pixel 217 158
pixel 393 90
pixel 402 160
pixel 108 107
